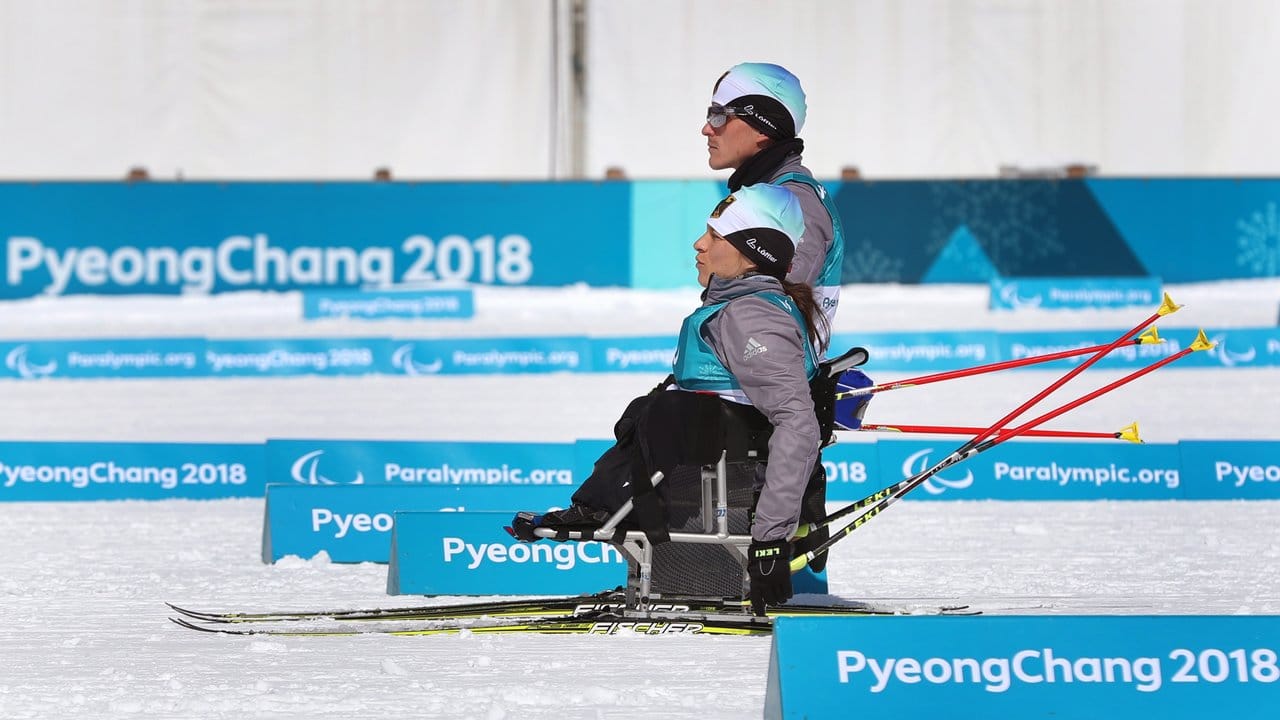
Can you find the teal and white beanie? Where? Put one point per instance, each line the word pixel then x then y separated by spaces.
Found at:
pixel 767 97
pixel 764 222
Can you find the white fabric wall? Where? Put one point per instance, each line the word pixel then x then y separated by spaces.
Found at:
pixel 924 88
pixel 276 88
pixel 480 89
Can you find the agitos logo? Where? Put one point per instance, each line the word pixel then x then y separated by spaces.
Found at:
pixel 306 470
pixel 918 462
pixel 1010 296
pixel 1231 358
pixel 403 359
pixel 18 362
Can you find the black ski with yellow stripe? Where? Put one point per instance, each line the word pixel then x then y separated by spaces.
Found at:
pixel 610 600
pixel 495 608
pixel 665 619
pixel 592 622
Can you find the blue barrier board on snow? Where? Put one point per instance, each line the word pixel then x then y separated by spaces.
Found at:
pixel 853 470
pixel 64 238
pixel 1231 469
pixel 115 358
pixel 922 351
pixel 633 354
pixel 129 471
pixel 353 523
pixel 483 356
pixel 469 553
pixel 1073 293
pixel 1019 470
pixel 356 462
pixel 383 304
pixel 914 352
pixel 1061 667
pixel 305 356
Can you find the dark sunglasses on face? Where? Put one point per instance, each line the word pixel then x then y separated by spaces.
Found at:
pixel 718 115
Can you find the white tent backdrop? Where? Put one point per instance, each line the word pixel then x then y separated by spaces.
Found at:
pixel 276 88
pixel 439 89
pixel 911 88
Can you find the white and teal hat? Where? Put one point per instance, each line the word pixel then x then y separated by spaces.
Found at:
pixel 764 222
pixel 765 96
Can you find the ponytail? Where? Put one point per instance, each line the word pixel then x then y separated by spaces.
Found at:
pixel 817 327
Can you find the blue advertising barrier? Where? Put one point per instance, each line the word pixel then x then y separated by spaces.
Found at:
pixel 633 354
pixel 353 523
pixel 1231 469
pixel 1239 347
pixel 356 462
pixel 382 304
pixel 914 352
pixel 853 470
pixel 63 238
pixel 1061 667
pixel 1022 469
pixel 124 358
pixel 1194 229
pixel 469 553
pixel 318 356
pixel 482 356
pixel 1020 345
pixel 1235 347
pixel 922 351
pixel 1066 293
pixel 195 358
pixel 1025 470
pixel 967 230
pixel 129 471
pixel 667 216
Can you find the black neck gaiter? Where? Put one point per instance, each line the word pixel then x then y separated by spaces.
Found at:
pixel 760 167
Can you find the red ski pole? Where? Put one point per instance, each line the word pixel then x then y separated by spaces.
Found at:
pixel 1167 306
pixel 1149 337
pixel 876 503
pixel 1129 432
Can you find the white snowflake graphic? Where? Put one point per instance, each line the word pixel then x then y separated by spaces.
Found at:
pixel 871 265
pixel 1259 242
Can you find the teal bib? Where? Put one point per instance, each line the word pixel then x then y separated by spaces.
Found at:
pixel 696 366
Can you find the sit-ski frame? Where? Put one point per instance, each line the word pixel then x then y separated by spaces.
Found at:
pixel 638 548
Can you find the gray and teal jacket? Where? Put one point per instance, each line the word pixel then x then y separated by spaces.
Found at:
pixel 820 256
pixel 747 344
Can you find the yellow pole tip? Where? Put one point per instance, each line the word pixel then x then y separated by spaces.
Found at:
pixel 1202 342
pixel 1168 306
pixel 1150 336
pixel 1130 432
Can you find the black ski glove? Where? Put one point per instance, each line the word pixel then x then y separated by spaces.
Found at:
pixel 769 565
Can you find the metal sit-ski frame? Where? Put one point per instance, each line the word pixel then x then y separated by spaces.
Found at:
pixel 710 526
pixel 706 556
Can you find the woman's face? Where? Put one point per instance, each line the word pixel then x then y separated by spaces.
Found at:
pixel 717 256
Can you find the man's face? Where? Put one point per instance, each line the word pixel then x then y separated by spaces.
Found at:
pixel 732 144
pixel 717 256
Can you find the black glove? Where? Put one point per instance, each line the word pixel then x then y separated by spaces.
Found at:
pixel 769 565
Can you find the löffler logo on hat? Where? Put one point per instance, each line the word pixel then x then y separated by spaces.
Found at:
pixel 751 243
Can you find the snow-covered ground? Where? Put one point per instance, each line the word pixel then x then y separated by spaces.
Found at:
pixel 82 585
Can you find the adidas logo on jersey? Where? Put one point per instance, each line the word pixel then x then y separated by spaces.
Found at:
pixel 753 349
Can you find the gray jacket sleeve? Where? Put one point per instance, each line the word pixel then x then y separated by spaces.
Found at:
pixel 764 349
pixel 817 238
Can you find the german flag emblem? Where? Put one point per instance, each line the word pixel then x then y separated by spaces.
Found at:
pixel 724 204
